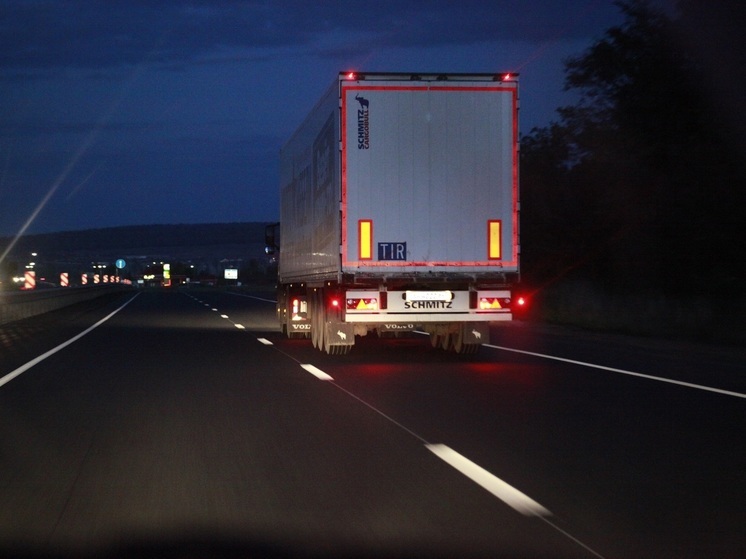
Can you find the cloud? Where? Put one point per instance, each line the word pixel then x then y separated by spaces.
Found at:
pixel 91 34
pixel 139 111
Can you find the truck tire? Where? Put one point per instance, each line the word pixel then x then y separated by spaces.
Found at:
pixel 317 328
pixel 462 348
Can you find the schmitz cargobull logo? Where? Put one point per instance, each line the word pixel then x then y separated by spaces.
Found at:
pixel 363 123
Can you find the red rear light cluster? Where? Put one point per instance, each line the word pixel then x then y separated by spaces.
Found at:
pixel 298 309
pixel 358 304
pixel 493 303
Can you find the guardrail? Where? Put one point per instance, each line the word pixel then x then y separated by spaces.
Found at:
pixel 17 305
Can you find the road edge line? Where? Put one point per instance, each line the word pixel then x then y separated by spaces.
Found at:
pixel 622 371
pixel 23 368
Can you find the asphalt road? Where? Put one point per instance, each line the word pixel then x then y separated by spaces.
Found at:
pixel 182 424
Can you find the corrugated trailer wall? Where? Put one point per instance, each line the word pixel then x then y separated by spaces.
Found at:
pixel 309 182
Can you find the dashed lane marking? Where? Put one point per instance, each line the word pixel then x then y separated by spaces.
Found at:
pixel 315 371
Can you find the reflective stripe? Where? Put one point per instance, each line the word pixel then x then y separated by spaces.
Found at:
pixel 494 239
pixel 365 239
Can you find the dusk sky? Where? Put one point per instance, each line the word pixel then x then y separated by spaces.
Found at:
pixel 140 112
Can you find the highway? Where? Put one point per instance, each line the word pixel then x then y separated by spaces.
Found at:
pixel 182 424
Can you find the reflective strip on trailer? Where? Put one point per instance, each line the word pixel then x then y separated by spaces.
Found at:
pixel 494 239
pixel 365 239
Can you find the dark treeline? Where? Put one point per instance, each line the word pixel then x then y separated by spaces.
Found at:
pixel 639 186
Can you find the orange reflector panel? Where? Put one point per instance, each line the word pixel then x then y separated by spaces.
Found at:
pixel 494 239
pixel 365 239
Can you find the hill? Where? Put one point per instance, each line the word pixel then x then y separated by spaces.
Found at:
pixel 205 240
pixel 198 250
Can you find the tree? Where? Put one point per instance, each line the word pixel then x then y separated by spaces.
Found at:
pixel 643 178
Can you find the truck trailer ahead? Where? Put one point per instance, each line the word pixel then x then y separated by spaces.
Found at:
pixel 399 210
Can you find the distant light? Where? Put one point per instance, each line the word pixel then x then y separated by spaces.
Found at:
pixel 521 301
pixel 351 76
pixel 507 77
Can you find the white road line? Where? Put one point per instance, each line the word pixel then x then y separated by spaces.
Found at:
pixel 514 498
pixel 623 372
pixel 23 368
pixel 511 496
pixel 318 373
pixel 239 326
pixel 503 491
pixel 223 316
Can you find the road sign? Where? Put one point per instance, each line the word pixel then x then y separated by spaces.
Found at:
pixel 120 263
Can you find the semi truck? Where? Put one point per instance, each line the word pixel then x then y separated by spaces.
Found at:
pixel 399 210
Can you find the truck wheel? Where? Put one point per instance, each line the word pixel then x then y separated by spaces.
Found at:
pixel 440 341
pixel 280 311
pixel 446 341
pixel 316 324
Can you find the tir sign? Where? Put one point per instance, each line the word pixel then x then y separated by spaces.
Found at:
pixel 392 251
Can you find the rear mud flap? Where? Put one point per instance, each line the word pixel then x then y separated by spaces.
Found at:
pixel 476 333
pixel 299 328
pixel 340 333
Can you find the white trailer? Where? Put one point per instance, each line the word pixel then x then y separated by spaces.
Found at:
pixel 399 210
